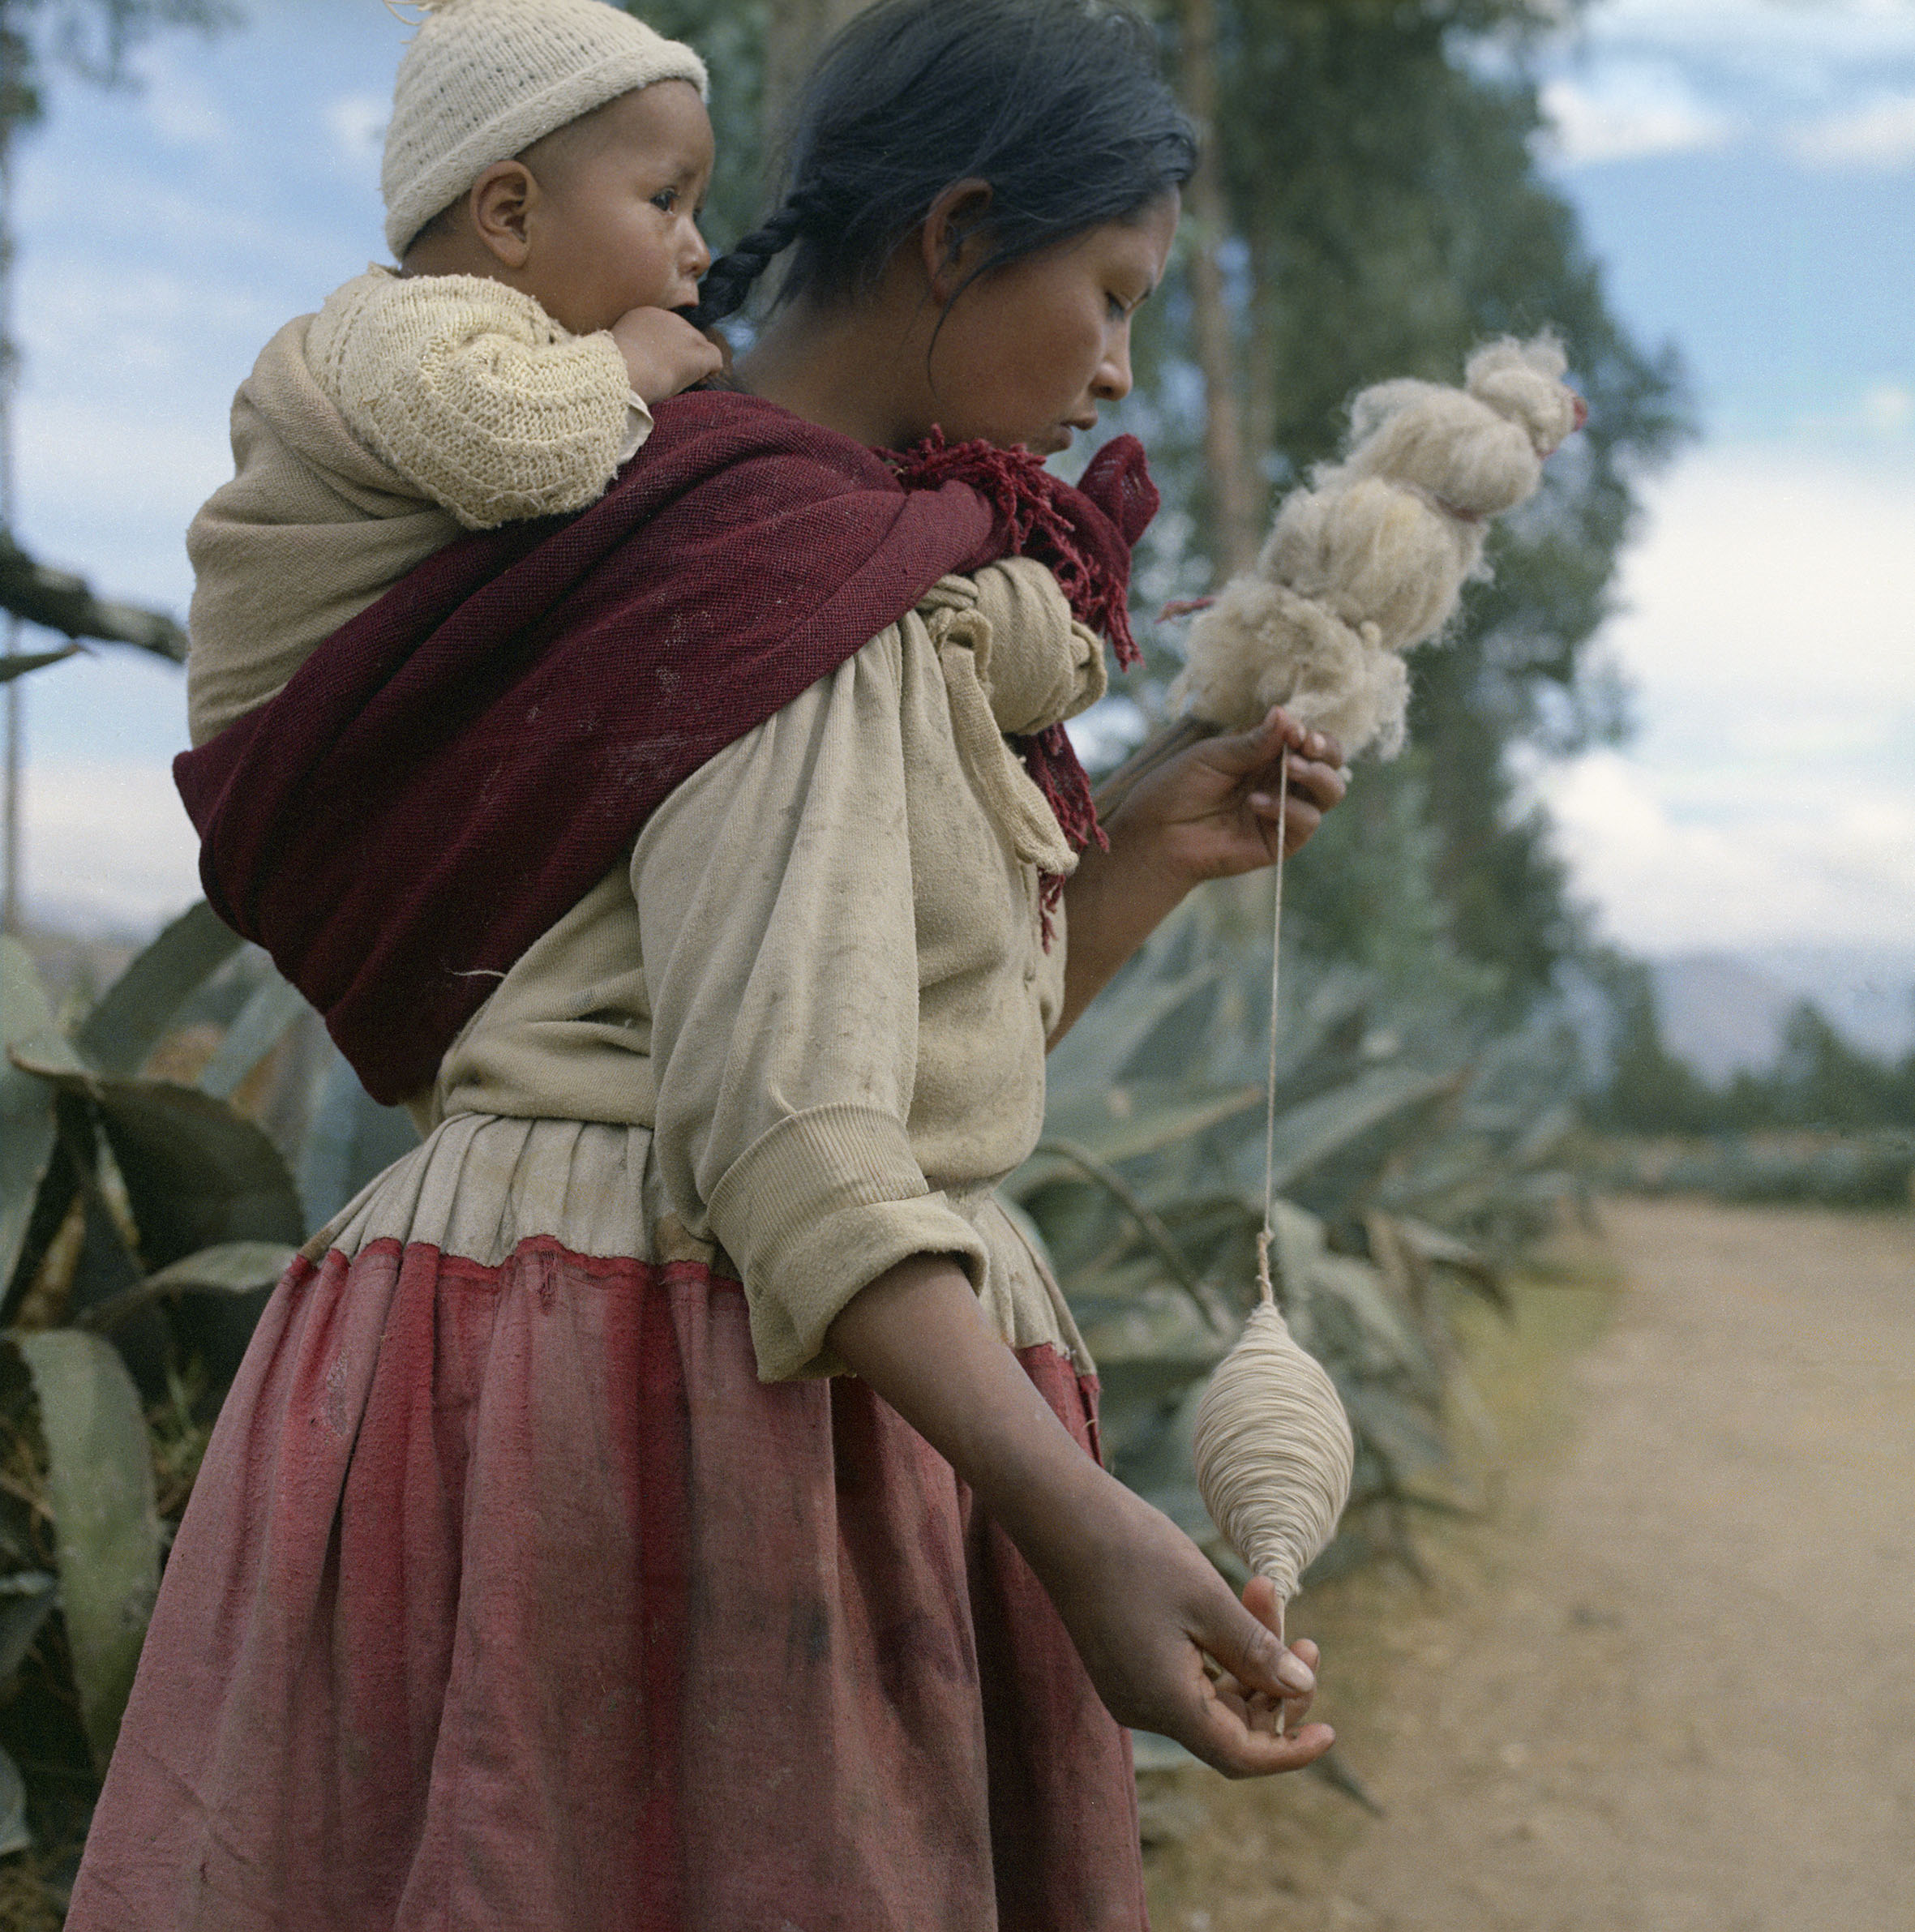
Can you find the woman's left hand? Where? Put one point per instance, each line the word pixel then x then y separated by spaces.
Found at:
pixel 1211 811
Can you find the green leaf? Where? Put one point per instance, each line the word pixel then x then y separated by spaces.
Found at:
pixel 351 1140
pixel 1396 1432
pixel 260 1025
pixel 199 1175
pixel 1124 1123
pixel 237 1268
pixel 27 1128
pixel 26 1599
pixel 1310 1135
pixel 106 1527
pixel 136 1010
pixel 14 1835
pixel 1128 1016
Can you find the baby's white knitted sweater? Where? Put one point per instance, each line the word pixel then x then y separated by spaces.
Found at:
pixel 474 394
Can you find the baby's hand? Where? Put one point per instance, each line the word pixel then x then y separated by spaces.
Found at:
pixel 663 353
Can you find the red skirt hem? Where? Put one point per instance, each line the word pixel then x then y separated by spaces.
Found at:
pixel 511 1600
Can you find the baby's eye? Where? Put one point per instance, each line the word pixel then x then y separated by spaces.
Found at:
pixel 666 201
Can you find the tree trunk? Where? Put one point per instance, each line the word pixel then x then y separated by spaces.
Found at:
pixel 1261 376
pixel 795 34
pixel 1233 490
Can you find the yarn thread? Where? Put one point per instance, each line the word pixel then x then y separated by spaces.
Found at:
pixel 1272 1446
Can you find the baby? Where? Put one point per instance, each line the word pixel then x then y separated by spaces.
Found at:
pixel 544 170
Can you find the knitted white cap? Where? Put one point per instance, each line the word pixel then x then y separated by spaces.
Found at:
pixel 483 79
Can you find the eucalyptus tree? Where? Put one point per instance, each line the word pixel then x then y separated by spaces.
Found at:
pixel 1373 202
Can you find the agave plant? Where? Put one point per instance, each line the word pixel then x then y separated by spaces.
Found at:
pixel 144 1220
pixel 1404 1148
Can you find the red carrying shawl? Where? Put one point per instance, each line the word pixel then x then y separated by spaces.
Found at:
pixel 449 773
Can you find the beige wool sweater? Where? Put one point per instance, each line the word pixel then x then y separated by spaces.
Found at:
pixel 805 1025
pixel 370 436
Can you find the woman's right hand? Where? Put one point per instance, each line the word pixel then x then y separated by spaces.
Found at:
pixel 1167 1645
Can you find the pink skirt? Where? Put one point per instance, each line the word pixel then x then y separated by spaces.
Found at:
pixel 510 1601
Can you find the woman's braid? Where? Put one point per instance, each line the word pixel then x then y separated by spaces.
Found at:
pixel 728 280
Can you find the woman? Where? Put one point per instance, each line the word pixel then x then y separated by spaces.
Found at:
pixel 663 1500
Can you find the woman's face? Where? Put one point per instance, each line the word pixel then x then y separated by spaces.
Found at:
pixel 1028 352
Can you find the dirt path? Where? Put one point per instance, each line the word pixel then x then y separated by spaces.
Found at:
pixel 1673 1690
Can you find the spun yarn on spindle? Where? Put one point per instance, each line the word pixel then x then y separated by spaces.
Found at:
pixel 1274 1451
pixel 1370 560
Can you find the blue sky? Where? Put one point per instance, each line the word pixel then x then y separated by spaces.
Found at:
pixel 1745 170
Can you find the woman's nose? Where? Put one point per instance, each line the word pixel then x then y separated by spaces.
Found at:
pixel 1112 381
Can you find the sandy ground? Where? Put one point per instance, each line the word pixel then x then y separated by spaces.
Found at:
pixel 1668 1684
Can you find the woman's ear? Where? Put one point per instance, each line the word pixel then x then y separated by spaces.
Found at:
pixel 953 238
pixel 501 202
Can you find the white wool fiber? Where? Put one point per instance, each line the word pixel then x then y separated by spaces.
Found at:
pixel 1369 560
pixel 1274 1451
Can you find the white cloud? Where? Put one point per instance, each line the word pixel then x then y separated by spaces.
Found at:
pixel 1880 134
pixel 1770 796
pixel 110 843
pixel 1623 113
pixel 1889 408
pixel 1796 867
pixel 1759 33
pixel 357 123
pixel 1771 574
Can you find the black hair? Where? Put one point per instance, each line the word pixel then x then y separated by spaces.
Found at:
pixel 1059 104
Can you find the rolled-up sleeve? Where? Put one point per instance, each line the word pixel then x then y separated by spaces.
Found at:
pixel 777 916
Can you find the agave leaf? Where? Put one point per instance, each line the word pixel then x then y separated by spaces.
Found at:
pixel 1296 1246
pixel 1431 1246
pixel 260 1025
pixel 136 1010
pixel 1394 1430
pixel 1310 1136
pixel 1150 1752
pixel 242 1269
pixel 1032 1234
pixel 1151 1378
pixel 1156 1463
pixel 26 1597
pixel 1352 1315
pixel 28 1131
pixel 199 1175
pixel 1123 1123
pixel 14 1835
pixel 1128 1015
pixel 106 1526
pixel 1156 1235
pixel 352 1139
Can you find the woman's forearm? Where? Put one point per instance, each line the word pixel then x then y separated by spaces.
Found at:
pixel 1142 1604
pixel 918 1337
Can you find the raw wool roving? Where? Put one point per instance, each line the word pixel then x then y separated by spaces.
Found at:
pixel 1370 560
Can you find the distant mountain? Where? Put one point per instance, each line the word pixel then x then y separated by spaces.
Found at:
pixel 1724 1013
